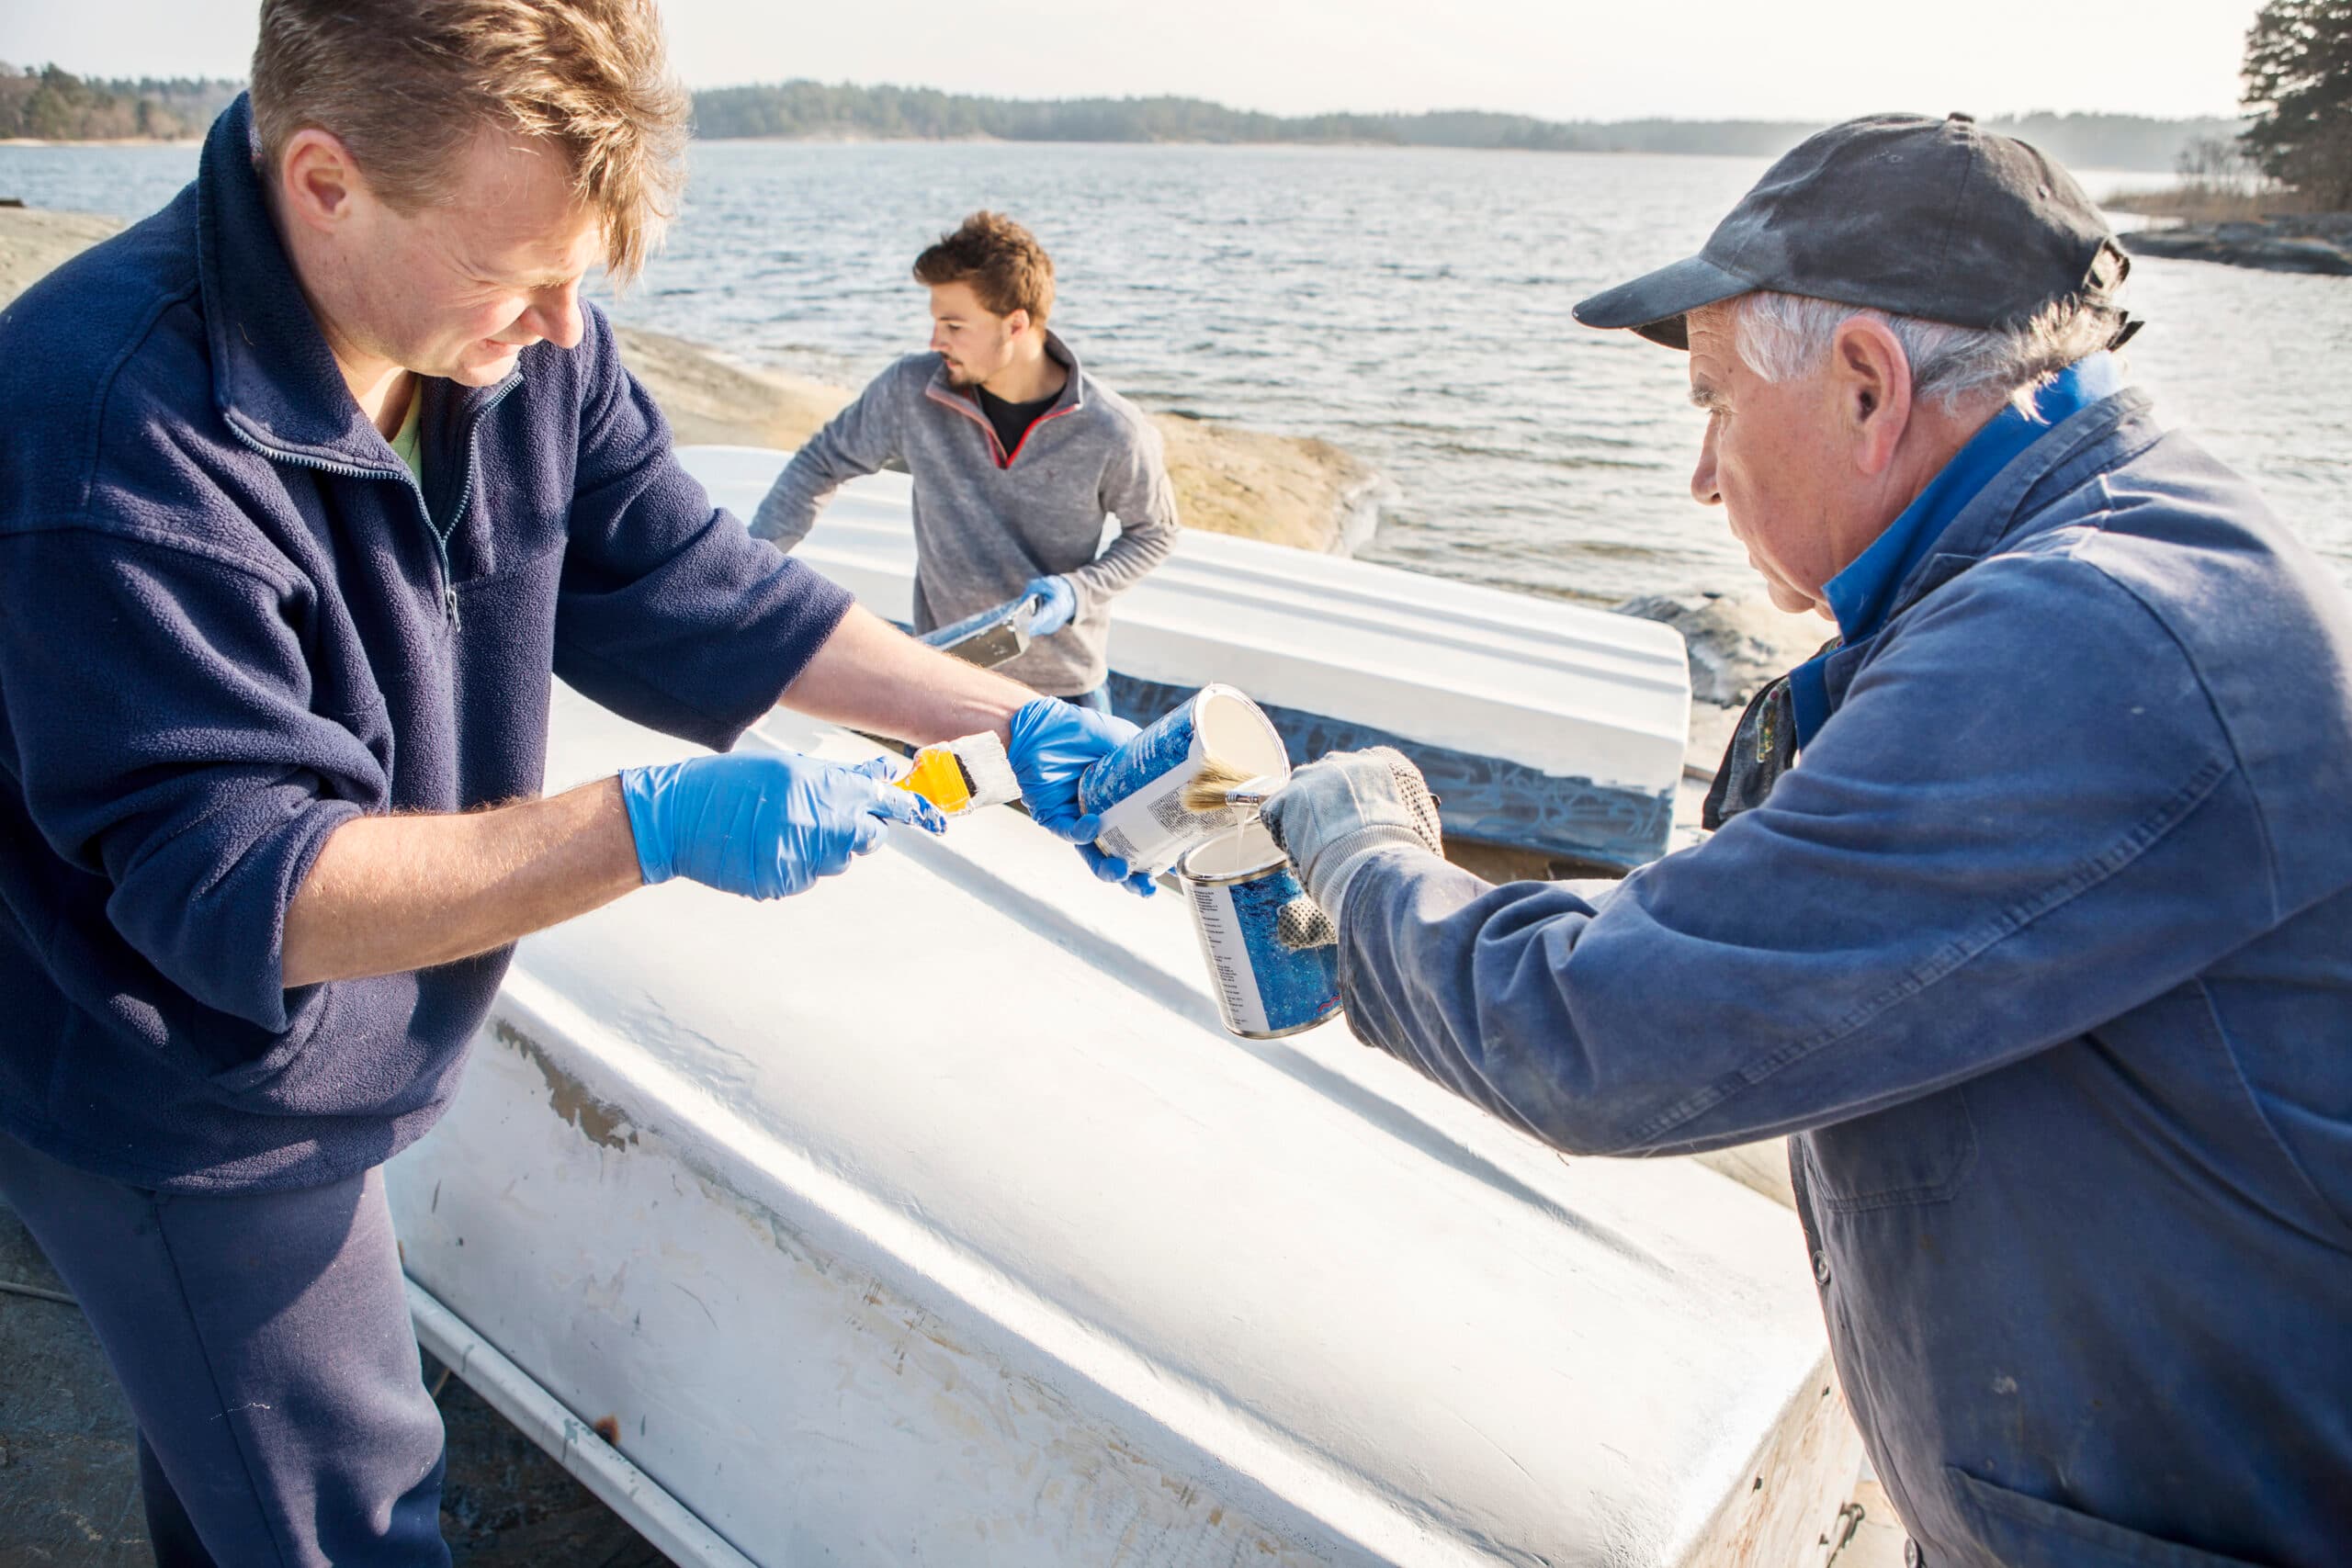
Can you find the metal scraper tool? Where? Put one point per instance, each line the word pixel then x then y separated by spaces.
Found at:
pixel 991 636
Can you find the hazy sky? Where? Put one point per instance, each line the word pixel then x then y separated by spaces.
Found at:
pixel 1560 59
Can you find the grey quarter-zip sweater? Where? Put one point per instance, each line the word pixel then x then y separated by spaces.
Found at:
pixel 987 521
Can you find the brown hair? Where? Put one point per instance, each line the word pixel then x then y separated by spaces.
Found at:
pixel 406 85
pixel 1003 263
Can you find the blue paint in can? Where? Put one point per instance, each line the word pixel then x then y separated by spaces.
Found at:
pixel 1238 887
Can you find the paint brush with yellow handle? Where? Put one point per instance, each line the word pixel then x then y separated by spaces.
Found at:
pixel 963 775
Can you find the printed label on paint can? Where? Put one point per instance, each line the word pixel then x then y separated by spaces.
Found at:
pixel 1238 887
pixel 1138 790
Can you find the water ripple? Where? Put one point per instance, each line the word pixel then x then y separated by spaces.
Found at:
pixel 1411 305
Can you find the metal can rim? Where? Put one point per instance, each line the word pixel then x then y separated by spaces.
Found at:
pixel 1279 862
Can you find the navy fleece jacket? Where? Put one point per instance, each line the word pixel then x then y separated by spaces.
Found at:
pixel 231 621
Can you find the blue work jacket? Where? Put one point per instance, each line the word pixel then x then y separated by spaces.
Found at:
pixel 231 621
pixel 2044 953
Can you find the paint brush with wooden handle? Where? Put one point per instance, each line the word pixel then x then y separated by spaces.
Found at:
pixel 1218 784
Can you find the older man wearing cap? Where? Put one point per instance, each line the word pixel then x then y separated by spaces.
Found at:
pixel 2043 948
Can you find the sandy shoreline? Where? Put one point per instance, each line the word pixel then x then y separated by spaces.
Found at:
pixel 1285 489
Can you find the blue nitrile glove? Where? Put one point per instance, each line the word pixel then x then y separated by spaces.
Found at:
pixel 1332 814
pixel 763 824
pixel 1052 743
pixel 1057 603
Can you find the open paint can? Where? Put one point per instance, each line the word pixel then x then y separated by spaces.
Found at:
pixel 1238 886
pixel 1138 790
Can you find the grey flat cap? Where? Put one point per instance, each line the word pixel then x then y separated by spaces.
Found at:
pixel 1916 217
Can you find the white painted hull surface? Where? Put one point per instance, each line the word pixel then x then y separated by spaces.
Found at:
pixel 931 1217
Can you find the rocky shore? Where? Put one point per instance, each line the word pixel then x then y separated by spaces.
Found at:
pixel 1285 489
pixel 2312 242
pixel 1737 643
pixel 32 242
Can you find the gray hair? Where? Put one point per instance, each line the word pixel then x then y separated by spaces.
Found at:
pixel 1785 335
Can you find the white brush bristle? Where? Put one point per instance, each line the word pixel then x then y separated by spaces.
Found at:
pixel 988 769
pixel 1206 792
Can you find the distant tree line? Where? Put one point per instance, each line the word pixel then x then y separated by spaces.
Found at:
pixel 57 105
pixel 2299 86
pixel 821 109
pixel 54 105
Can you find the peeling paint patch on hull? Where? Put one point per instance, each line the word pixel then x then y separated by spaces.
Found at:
pixel 601 1122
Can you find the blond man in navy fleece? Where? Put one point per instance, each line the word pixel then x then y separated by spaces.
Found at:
pixel 306 485
pixel 1018 457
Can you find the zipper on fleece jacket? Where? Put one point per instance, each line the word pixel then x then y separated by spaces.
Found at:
pixel 996 448
pixel 415 487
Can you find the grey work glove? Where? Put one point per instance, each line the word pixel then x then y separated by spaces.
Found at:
pixel 1302 926
pixel 1333 814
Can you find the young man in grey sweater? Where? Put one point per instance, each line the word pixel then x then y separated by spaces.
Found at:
pixel 1017 454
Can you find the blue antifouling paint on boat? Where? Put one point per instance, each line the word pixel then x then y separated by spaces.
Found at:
pixel 1137 791
pixel 1486 797
pixel 1238 887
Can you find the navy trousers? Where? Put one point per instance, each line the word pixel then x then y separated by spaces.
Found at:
pixel 263 1340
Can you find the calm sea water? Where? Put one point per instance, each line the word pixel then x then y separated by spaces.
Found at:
pixel 1410 305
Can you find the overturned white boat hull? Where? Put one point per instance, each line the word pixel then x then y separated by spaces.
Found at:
pixel 1543 725
pixel 930 1217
